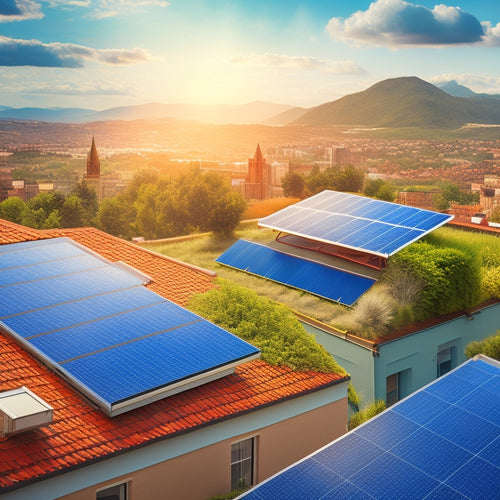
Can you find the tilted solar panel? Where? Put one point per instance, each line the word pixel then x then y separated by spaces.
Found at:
pixel 313 277
pixel 436 443
pixel 95 323
pixel 352 221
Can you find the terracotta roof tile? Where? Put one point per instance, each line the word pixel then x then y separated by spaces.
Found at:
pixel 80 432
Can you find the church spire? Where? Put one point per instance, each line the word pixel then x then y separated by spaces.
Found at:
pixel 93 163
pixel 258 153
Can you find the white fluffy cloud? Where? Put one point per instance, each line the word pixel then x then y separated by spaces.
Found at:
pixel 399 23
pixel 298 62
pixel 14 52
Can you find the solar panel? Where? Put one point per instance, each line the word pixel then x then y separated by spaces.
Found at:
pixel 313 277
pixel 352 221
pixel 425 446
pixel 97 325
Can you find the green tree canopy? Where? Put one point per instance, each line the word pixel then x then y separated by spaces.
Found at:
pixel 12 209
pixel 293 184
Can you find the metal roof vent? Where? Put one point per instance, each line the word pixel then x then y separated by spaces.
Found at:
pixel 21 410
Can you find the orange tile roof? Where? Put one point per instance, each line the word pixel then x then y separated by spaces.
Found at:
pixel 80 433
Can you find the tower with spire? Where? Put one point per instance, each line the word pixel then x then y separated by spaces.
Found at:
pixel 257 183
pixel 93 163
pixel 93 175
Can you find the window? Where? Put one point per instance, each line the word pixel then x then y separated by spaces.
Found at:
pixel 445 360
pixel 115 492
pixel 398 386
pixel 242 463
pixel 392 389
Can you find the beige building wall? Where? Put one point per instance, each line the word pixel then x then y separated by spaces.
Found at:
pixel 206 472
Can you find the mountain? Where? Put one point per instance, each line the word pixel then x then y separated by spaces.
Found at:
pixel 254 112
pixel 455 89
pixel 404 102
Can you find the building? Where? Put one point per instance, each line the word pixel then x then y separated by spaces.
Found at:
pixel 105 186
pixel 441 442
pixel 257 183
pixel 246 424
pixel 335 246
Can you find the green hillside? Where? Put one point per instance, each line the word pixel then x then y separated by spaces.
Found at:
pixel 404 102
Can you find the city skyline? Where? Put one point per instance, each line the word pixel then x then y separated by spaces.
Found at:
pixel 104 53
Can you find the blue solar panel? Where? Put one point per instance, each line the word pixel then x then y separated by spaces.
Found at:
pixel 336 218
pixel 424 447
pixel 65 315
pixel 122 372
pixel 312 277
pixel 94 322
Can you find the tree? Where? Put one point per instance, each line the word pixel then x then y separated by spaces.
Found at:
pixel 89 203
pixel 72 212
pixel 451 193
pixel 380 189
pixel 115 216
pixel 12 209
pixel 293 184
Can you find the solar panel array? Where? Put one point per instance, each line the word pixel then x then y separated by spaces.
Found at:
pixel 441 442
pixel 373 226
pixel 313 277
pixel 96 324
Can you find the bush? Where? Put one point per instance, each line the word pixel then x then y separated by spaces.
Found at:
pixel 271 327
pixel 490 283
pixel 366 413
pixel 451 278
pixel 490 346
pixel 371 316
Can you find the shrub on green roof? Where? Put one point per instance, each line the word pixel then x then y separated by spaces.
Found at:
pixel 450 278
pixel 490 346
pixel 270 326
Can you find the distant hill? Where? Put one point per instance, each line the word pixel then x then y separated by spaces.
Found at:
pixel 287 116
pixel 254 112
pixel 404 102
pixel 455 89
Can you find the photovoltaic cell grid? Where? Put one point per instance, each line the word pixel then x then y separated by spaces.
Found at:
pixel 303 274
pixel 373 226
pixel 98 325
pixel 441 442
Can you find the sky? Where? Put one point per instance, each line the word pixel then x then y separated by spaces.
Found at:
pixel 99 54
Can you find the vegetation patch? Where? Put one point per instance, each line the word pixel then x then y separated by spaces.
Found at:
pixel 490 346
pixel 450 278
pixel 366 413
pixel 271 327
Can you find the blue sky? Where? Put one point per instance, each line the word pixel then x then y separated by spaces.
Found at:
pixel 104 53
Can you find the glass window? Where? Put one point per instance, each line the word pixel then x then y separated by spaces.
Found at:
pixel 116 492
pixel 242 463
pixel 445 361
pixel 392 389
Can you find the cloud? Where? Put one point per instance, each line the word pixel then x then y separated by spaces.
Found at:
pixel 110 8
pixel 492 34
pixel 19 10
pixel 398 23
pixel 62 55
pixel 298 62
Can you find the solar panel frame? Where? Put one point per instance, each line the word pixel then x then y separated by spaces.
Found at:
pixel 94 323
pixel 319 217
